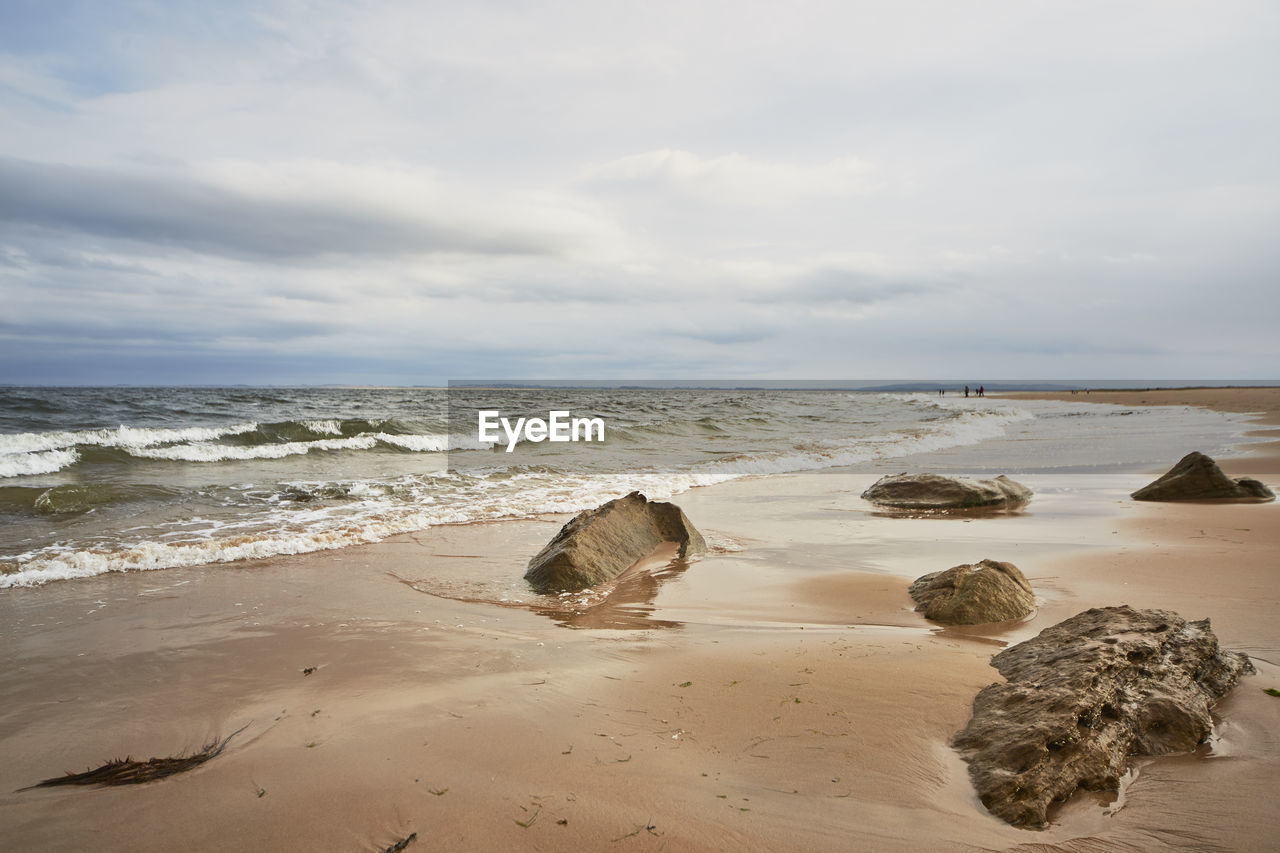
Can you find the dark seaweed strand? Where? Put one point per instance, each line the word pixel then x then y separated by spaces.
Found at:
pixel 400 845
pixel 125 771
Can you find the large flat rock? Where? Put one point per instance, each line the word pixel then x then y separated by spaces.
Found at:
pixel 597 545
pixel 934 491
pixel 1083 698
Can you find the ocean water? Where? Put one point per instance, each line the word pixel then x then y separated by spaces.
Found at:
pixel 98 480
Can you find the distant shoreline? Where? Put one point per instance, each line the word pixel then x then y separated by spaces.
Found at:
pixel 999 386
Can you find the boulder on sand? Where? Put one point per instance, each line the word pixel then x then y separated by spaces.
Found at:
pixel 1086 695
pixel 599 544
pixel 933 491
pixel 988 591
pixel 1196 477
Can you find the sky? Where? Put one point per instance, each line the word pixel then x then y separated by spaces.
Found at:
pixel 412 192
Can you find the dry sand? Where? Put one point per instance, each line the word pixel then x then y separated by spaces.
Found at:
pixel 778 694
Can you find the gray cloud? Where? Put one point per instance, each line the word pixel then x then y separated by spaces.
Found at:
pixel 833 285
pixel 181 212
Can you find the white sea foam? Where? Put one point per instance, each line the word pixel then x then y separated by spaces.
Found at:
pixel 150 555
pixel 210 452
pixel 127 437
pixel 207 452
pixel 40 462
pixel 417 443
pixel 324 427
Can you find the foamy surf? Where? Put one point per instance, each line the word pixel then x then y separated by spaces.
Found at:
pixel 36 462
pixel 325 468
pixel 121 436
pixel 44 453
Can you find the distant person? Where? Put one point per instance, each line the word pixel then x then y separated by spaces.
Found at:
pixel 982 390
pixel 941 392
pixel 966 391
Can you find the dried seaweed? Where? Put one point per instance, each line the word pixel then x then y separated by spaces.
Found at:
pixel 400 845
pixel 125 771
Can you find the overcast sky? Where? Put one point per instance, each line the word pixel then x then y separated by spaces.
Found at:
pixel 404 193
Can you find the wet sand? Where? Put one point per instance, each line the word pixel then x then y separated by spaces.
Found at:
pixel 778 694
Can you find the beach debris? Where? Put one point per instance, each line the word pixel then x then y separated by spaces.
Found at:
pixel 973 594
pixel 1086 695
pixel 307 670
pixel 598 545
pixel 401 844
pixel 649 827
pixel 936 492
pixel 1197 477
pixel 525 824
pixel 1271 691
pixel 125 771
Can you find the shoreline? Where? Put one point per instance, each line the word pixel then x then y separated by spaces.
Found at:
pixel 1261 402
pixel 779 696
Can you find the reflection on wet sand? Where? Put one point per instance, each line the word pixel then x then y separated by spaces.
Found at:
pixel 965 513
pixel 627 602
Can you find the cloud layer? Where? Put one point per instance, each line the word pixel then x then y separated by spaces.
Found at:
pixel 404 193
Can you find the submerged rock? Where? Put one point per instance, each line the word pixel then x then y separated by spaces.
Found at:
pixel 1086 695
pixel 933 491
pixel 1196 477
pixel 599 544
pixel 988 591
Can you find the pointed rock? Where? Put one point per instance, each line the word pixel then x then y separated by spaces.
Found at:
pixel 599 544
pixel 1196 477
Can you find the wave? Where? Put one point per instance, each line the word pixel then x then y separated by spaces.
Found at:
pixel 329 427
pixel 67 499
pixel 39 462
pixel 34 442
pixel 150 556
pixel 970 427
pixel 210 452
pixel 27 454
pixel 370 511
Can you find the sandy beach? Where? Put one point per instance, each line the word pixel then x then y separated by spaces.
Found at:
pixel 777 694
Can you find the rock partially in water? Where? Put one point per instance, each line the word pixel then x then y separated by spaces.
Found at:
pixel 599 544
pixel 1084 697
pixel 989 591
pixel 1197 477
pixel 934 491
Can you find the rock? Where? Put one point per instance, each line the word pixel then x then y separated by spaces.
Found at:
pixel 599 544
pixel 1086 695
pixel 933 491
pixel 988 591
pixel 1196 477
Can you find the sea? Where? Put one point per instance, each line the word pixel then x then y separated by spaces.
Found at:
pixel 102 480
